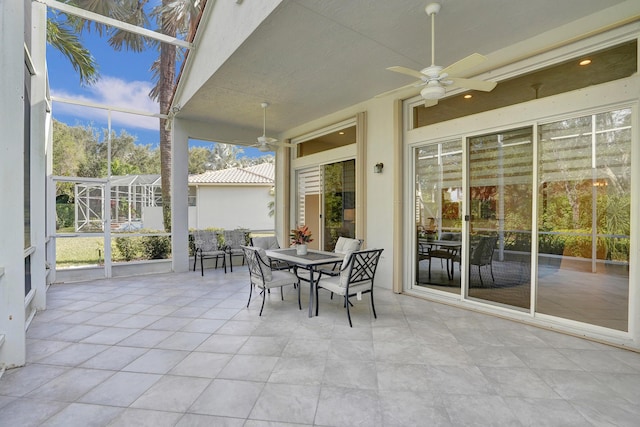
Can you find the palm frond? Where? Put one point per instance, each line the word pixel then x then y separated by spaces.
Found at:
pixel 175 17
pixel 67 42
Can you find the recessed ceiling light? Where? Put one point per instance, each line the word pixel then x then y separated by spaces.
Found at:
pixel 585 62
pixel 341 133
pixel 467 96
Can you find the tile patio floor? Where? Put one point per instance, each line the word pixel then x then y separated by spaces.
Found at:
pixel 183 350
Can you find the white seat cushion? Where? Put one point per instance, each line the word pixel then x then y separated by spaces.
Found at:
pixel 333 284
pixel 279 278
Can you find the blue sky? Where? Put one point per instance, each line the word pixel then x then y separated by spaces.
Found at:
pixel 125 82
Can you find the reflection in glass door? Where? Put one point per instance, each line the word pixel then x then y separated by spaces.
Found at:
pixel 339 190
pixel 584 216
pixel 438 222
pixel 500 203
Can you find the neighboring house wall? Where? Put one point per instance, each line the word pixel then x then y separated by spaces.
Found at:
pixel 233 206
pixel 223 206
pixel 152 218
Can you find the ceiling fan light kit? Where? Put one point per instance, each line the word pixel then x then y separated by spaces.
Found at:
pixel 432 92
pixel 434 79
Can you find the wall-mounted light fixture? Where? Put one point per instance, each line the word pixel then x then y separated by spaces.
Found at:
pixel 378 168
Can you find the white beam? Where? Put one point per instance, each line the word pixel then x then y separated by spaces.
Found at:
pixel 85 14
pixel 107 107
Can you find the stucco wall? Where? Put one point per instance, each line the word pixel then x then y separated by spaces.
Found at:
pixel 232 207
pixel 380 196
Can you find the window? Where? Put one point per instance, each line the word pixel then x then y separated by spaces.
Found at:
pixel 606 65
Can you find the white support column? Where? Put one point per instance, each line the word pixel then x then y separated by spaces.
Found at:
pixel 179 197
pixel 38 153
pixel 12 70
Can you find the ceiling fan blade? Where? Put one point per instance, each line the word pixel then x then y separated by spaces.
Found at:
pixel 407 71
pixel 464 64
pixel 485 86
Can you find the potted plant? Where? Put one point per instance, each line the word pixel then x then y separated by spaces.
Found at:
pixel 300 236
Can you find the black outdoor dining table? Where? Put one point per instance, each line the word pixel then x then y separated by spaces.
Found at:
pixel 311 261
pixel 452 245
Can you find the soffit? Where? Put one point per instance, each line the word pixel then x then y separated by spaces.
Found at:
pixel 312 58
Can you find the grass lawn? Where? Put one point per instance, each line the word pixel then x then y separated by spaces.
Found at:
pixel 79 251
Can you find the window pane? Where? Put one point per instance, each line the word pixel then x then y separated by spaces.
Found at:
pixel 438 190
pixel 338 138
pixel 584 218
pixel 339 182
pixel 500 197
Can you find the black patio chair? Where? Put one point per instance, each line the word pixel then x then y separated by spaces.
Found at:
pixel 262 277
pixel 233 242
pixel 482 255
pixel 270 242
pixel 207 246
pixel 356 277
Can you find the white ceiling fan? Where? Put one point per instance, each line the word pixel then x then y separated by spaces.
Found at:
pixel 435 79
pixel 265 143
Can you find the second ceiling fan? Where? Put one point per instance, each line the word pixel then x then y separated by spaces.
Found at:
pixel 435 79
pixel 264 143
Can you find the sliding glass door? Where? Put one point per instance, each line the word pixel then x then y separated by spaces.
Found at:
pixel 326 202
pixel 549 218
pixel 438 218
pixel 500 204
pixel 339 202
pixel 584 216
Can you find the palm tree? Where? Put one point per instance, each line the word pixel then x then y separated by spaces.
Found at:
pixel 174 17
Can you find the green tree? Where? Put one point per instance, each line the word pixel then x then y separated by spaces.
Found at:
pixel 199 160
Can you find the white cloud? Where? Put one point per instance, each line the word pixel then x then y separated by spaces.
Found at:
pixel 114 92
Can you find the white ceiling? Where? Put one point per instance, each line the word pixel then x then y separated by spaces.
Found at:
pixel 310 58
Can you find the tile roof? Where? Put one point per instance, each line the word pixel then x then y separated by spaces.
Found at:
pixel 259 174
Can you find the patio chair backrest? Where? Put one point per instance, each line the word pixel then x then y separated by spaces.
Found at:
pixel 233 239
pixel 265 242
pixel 451 236
pixel 359 267
pixel 258 264
pixel 482 254
pixel 206 240
pixel 346 244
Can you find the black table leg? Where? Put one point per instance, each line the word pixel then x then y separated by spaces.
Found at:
pixel 311 294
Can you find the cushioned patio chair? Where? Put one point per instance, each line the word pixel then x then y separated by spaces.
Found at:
pixel 262 277
pixel 233 240
pixel 270 242
pixel 356 277
pixel 207 246
pixel 343 245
